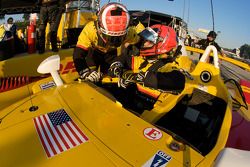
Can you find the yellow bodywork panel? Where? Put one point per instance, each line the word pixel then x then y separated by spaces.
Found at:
pixel 26 65
pixel 70 20
pixel 84 18
pixel 215 87
pixel 116 137
pixel 228 59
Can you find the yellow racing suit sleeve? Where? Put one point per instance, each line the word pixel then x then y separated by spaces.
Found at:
pixel 139 27
pixel 86 40
pixel 87 37
pixel 132 36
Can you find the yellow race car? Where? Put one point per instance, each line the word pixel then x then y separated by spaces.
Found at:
pixel 80 124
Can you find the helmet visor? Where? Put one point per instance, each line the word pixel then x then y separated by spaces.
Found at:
pixel 149 34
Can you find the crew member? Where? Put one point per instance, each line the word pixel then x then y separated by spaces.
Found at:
pixel 50 12
pixel 99 41
pixel 10 29
pixel 210 40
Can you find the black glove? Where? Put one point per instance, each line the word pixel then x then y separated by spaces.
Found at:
pixel 115 69
pixel 125 80
pixel 130 78
pixel 90 75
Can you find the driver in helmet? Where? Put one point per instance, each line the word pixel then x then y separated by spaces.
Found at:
pixel 210 40
pixel 151 68
pixel 99 41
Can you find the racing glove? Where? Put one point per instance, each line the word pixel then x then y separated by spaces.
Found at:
pixel 130 78
pixel 90 75
pixel 115 69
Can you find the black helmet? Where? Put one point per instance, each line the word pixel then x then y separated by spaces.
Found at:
pixel 212 34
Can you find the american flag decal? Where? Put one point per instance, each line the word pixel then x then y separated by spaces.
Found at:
pixel 58 132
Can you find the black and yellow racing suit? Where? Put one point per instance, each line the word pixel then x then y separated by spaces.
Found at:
pixel 93 52
pixel 162 74
pixel 159 76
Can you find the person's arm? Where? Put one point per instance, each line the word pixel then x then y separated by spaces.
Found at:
pixel 222 53
pixel 13 29
pixel 162 81
pixel 82 68
pixel 219 49
pixel 132 35
pixel 84 41
pixel 120 63
pixel 139 27
pixel 165 81
pixel 79 56
pixel 134 22
pixel 81 52
pixel 6 27
pixel 201 43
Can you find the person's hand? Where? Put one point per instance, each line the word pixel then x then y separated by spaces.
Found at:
pixel 90 75
pixel 124 82
pixel 139 78
pixel 115 69
pixel 129 78
pixel 223 54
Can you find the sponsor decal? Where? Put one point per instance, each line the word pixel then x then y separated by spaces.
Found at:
pixel 47 85
pixel 58 132
pixel 69 67
pixel 160 159
pixel 152 133
pixel 245 85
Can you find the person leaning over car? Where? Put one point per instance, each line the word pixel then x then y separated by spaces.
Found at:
pixel 99 41
pixel 210 40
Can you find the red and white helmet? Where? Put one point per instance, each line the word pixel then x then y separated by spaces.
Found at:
pixel 163 40
pixel 113 19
